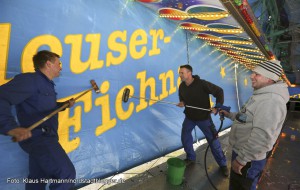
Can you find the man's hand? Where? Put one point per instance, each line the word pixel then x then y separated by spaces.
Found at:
pixel 71 102
pixel 236 167
pixel 225 113
pixel 19 134
pixel 214 110
pixel 180 104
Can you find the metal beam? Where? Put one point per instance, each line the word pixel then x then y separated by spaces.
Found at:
pixel 230 6
pixel 279 32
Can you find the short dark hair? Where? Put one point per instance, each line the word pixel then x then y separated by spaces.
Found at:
pixel 41 57
pixel 188 67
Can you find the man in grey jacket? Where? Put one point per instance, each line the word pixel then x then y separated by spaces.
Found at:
pixel 257 125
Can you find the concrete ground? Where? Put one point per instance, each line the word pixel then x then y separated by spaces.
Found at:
pixel 153 175
pixel 282 171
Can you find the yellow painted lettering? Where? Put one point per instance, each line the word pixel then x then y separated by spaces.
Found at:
pixel 33 46
pixel 4 48
pixel 155 35
pixel 143 85
pixel 66 122
pixel 107 122
pixel 116 46
pixel 138 38
pixel 163 77
pixel 76 65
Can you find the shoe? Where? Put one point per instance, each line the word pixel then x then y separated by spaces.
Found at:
pixel 225 171
pixel 188 161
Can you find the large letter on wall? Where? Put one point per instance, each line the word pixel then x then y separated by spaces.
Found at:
pixel 144 84
pixel 4 46
pixel 77 66
pixel 33 46
pixel 163 77
pixel 117 47
pixel 107 122
pixel 138 38
pixel 66 122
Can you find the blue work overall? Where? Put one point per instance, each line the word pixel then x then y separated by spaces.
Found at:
pixel 251 172
pixel 47 160
pixel 208 129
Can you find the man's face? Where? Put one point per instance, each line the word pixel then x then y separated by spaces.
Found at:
pixel 259 81
pixel 184 74
pixel 56 67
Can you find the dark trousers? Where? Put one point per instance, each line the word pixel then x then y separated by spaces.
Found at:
pixel 250 175
pixel 208 129
pixel 48 160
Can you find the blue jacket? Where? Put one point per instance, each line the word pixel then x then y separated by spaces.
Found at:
pixel 33 96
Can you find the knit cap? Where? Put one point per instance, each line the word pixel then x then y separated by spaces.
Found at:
pixel 270 69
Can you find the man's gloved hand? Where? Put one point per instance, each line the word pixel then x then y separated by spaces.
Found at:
pixel 222 110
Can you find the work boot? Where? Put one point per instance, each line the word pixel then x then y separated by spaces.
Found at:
pixel 188 161
pixel 225 171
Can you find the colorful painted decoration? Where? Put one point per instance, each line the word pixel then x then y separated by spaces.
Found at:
pixel 210 21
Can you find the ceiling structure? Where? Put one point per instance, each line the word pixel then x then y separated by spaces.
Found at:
pixel 280 20
pixel 249 32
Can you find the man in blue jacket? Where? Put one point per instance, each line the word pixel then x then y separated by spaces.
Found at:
pixel 195 92
pixel 34 97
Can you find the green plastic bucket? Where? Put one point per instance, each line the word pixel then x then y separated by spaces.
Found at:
pixel 175 171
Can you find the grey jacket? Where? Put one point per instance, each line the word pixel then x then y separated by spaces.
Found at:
pixel 258 124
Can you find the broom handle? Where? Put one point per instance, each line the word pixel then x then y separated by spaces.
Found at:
pixel 56 111
pixel 170 103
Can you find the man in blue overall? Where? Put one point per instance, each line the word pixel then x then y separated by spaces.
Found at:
pixel 194 91
pixel 34 97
